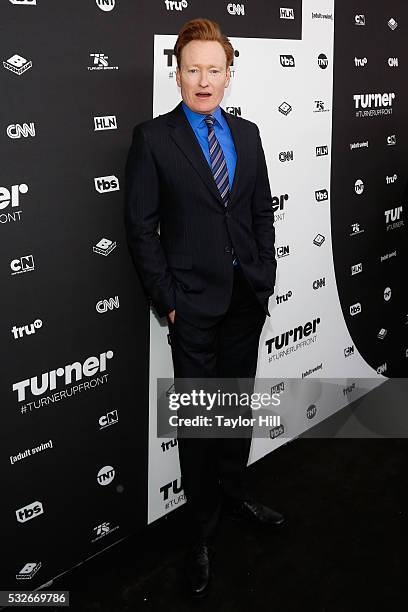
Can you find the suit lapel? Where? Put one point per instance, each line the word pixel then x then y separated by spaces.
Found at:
pixel 185 138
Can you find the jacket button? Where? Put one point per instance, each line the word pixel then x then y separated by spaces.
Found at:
pixel 228 249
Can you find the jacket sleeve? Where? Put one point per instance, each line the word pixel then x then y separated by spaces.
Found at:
pixel 263 215
pixel 142 216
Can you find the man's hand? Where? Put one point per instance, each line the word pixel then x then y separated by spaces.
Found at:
pixel 171 315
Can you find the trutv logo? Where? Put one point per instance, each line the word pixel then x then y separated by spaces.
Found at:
pixel 29 512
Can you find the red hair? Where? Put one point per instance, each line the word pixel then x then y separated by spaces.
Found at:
pixel 202 29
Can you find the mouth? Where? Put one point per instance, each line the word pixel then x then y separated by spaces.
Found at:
pixel 203 95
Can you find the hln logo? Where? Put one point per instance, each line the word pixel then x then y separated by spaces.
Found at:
pixel 286 13
pixel 107 122
pixel 234 110
pixel 322 150
pixel 16 130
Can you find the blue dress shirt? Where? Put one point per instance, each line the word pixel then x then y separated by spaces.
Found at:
pixel 222 132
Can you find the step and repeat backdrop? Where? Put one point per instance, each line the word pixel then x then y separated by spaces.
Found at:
pixel 81 465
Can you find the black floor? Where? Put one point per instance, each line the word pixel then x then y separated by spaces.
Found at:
pixel 343 548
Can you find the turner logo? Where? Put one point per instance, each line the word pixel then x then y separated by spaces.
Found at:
pixel 29 512
pixel 105 475
pixel 104 184
pixel 393 218
pixel 278 202
pixel 287 61
pixel 16 130
pixel 286 13
pixel 17 64
pixel 62 376
pixel 26 330
pixel 359 186
pixel 321 195
pixel 171 5
pixel 105 5
pixel 22 265
pixel 322 61
pixel 11 197
pixel 105 305
pixel 28 571
pixel 174 487
pixel 292 335
pixel 107 122
pixel 373 104
pixel 355 309
pixel 236 9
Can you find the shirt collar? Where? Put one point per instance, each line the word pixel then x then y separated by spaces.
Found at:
pixel 197 119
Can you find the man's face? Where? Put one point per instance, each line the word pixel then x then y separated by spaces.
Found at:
pixel 203 75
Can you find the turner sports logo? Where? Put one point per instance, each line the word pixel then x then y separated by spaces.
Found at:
pixel 292 339
pixel 62 377
pixel 373 104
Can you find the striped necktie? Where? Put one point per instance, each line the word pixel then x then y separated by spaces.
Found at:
pixel 218 167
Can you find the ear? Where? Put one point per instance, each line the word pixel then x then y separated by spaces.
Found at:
pixel 228 76
pixel 178 76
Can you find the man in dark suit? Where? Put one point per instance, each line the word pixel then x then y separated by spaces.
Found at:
pixel 201 174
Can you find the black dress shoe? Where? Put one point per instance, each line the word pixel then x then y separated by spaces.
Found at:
pixel 198 569
pixel 250 510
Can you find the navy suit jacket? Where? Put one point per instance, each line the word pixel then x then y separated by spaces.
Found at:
pixel 179 232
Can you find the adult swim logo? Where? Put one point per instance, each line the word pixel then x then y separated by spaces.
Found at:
pixel 373 104
pixel 105 5
pixel 64 377
pixel 292 340
pixel 100 62
pixel 11 197
pixel 17 64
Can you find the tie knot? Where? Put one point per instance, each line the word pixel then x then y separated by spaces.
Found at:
pixel 209 119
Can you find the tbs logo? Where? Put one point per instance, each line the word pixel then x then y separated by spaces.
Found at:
pixel 104 184
pixel 29 512
pixel 321 195
pixel 287 61
pixel 355 309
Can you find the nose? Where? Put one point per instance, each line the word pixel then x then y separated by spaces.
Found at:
pixel 203 79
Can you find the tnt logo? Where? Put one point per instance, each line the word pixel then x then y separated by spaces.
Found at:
pixel 348 351
pixel 319 283
pixel 321 195
pixel 356 269
pixel 105 5
pixel 393 62
pixel 17 64
pixel 322 61
pixel 104 184
pixel 105 305
pixel 104 246
pixel 282 251
pixel 28 571
pixel 322 150
pixel 15 130
pixel 29 512
pixel 236 9
pixel 359 186
pixel 311 411
pixel 286 13
pixel 285 156
pixel 234 110
pixel 287 61
pixel 12 196
pixel 105 475
pixel 355 309
pixel 24 264
pixel 106 420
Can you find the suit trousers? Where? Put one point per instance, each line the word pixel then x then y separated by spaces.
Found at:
pixel 214 469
